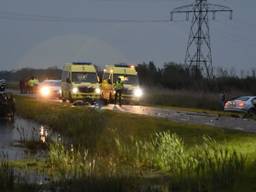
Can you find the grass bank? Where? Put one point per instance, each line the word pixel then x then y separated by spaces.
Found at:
pixel 201 158
pixel 186 98
pixel 95 128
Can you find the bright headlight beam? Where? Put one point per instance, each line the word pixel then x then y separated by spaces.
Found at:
pixel 75 90
pixel 45 91
pixel 97 90
pixel 138 92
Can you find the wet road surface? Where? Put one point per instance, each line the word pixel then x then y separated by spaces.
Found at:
pixel 214 120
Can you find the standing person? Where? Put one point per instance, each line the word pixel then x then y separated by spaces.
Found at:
pixel 119 86
pixel 26 86
pixel 31 85
pixel 223 99
pixel 35 84
pixel 22 86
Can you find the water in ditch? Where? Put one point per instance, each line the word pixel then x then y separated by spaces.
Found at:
pixel 11 133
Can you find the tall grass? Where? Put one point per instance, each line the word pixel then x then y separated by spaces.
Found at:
pixel 125 151
pixel 209 166
pixel 206 167
pixel 70 162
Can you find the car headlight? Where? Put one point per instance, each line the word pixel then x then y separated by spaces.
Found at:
pixel 75 90
pixel 97 90
pixel 138 92
pixel 45 91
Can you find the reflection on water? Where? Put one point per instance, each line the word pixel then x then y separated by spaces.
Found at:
pixel 9 135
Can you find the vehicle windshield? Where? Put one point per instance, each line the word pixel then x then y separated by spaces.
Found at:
pixel 52 83
pixel 127 79
pixel 243 98
pixel 83 77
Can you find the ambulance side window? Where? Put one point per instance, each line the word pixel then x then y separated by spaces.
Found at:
pixel 65 76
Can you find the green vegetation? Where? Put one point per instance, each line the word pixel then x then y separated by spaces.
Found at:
pixel 124 152
pixel 96 129
pixel 182 98
pixel 13 85
pixel 207 167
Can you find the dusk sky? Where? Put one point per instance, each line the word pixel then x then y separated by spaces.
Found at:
pixel 39 42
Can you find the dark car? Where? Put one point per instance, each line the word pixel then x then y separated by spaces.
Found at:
pixel 241 104
pixel 7 105
pixel 2 84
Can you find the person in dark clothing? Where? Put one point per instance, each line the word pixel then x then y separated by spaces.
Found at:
pixel 119 86
pixel 22 86
pixel 223 99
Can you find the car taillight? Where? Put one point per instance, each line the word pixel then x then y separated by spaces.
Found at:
pixel 241 104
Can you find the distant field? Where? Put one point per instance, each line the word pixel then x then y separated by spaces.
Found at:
pixel 142 144
pixel 185 98
pixel 13 85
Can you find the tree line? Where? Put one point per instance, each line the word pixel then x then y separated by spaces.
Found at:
pixel 177 76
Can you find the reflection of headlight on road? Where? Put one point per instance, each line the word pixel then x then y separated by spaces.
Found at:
pixel 138 92
pixel 45 91
pixel 75 90
pixel 97 90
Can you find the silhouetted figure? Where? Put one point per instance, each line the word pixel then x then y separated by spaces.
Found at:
pixel 119 86
pixel 22 86
pixel 223 99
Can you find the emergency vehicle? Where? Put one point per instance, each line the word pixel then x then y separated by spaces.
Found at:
pixel 80 81
pixel 129 76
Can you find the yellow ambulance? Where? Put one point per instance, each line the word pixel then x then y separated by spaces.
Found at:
pixel 80 81
pixel 129 76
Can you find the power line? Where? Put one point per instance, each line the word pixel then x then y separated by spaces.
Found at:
pixel 138 1
pixel 198 53
pixel 43 18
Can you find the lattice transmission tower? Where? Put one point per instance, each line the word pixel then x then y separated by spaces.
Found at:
pixel 198 53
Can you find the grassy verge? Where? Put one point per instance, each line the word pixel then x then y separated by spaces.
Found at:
pixel 182 98
pixel 93 128
pixel 13 85
pixel 186 98
pixel 124 145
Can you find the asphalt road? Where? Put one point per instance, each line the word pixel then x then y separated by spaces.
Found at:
pixel 214 120
pixel 243 124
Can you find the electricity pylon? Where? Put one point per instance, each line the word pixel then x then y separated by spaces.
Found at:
pixel 198 53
